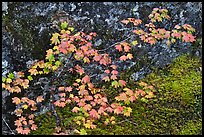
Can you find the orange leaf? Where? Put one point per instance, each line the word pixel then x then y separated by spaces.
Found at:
pixel 16 100
pixel 125 22
pixel 85 79
pixel 113 66
pixel 123 58
pixel 18 123
pixel 26 131
pixel 33 126
pixel 61 88
pixel 113 77
pixel 127 48
pixel 75 109
pixel 39 99
pixel 19 130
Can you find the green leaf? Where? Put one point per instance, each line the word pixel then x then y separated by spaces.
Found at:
pixel 51 57
pixel 144 100
pixel 64 25
pixel 71 29
pixel 115 84
pixel 30 78
pixel 134 42
pixel 11 75
pixel 46 70
pixel 3 79
pixel 57 63
pixel 83 132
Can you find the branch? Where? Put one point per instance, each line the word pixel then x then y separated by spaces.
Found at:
pixel 129 36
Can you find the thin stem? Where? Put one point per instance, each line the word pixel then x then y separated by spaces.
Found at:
pixel 129 36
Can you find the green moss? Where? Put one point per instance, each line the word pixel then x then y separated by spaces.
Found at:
pixel 46 124
pixel 192 128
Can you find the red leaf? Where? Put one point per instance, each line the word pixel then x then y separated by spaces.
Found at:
pixel 114 72
pixel 118 110
pixel 118 47
pixel 107 71
pixel 122 82
pixel 93 113
pixel 106 78
pixel 69 89
pixel 97 57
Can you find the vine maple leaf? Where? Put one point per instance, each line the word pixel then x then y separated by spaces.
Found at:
pixel 30 122
pixel 55 39
pixel 113 66
pixel 33 71
pixel 39 99
pixel 16 100
pixel 31 102
pixel 113 77
pixel 118 47
pixel 18 123
pixel 123 58
pixel 122 82
pixel 26 131
pixel 125 22
pixel 85 79
pixel 106 78
pixel 79 69
pixel 19 130
pixel 115 84
pixel 75 109
pixel 114 72
pixel 87 107
pixel 118 110
pixel 129 56
pixel 93 113
pixel 33 126
pixel 69 89
pixel 97 57
pixel 107 71
pixel 127 48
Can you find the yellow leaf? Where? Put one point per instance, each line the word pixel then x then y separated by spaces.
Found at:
pixel 8 80
pixel 78 80
pixel 25 106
